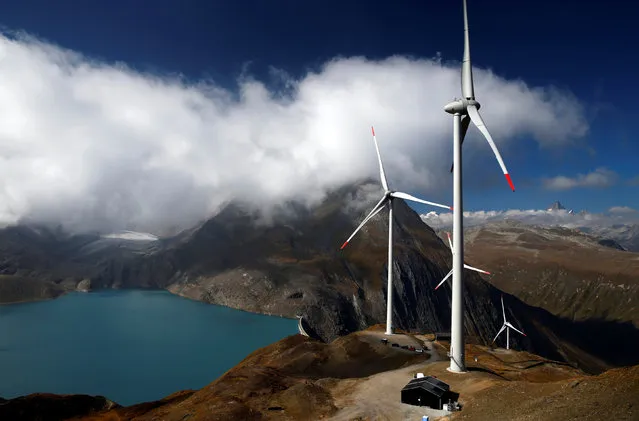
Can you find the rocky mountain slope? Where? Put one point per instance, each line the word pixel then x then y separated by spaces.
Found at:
pixel 625 235
pixel 567 272
pixel 38 262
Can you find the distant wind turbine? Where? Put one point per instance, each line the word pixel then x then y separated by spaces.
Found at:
pixel 506 326
pixel 387 199
pixel 465 265
pixel 464 111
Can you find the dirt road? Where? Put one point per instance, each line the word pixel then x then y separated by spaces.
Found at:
pixel 378 397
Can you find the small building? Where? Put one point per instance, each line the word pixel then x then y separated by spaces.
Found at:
pixel 427 391
pixel 442 336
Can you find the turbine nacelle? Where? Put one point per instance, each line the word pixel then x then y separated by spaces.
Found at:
pixel 460 106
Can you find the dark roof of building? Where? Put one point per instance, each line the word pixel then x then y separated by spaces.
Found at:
pixel 437 382
pixel 430 388
pixel 431 380
pixel 429 384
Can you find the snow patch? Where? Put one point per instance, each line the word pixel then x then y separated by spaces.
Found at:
pixel 132 236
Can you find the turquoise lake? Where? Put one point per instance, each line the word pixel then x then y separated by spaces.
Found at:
pixel 130 346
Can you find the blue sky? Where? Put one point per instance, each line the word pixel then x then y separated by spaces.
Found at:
pixel 582 47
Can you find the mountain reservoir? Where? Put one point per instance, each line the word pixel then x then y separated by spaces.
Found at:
pixel 130 346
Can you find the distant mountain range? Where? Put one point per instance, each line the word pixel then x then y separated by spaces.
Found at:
pixel 619 224
pixel 293 265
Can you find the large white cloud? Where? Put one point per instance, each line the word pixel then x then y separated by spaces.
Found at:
pixel 98 146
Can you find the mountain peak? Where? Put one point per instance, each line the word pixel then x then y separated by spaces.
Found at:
pixel 556 206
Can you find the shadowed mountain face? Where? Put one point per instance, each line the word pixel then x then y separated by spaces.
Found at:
pixel 293 265
pixel 37 262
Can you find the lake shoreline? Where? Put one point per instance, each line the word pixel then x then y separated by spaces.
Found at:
pixel 78 336
pixel 70 291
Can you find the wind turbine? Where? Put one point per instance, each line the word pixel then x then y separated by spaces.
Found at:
pixel 506 326
pixel 464 111
pixel 465 265
pixel 387 200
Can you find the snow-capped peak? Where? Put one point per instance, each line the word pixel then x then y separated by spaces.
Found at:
pixel 556 206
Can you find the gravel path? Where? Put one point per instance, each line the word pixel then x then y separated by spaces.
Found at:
pixel 378 397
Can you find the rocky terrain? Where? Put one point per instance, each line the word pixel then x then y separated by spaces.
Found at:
pixel 567 272
pixel 38 262
pixel 356 377
pixel 50 407
pixel 625 235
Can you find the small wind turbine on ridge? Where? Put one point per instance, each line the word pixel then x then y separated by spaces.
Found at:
pixel 464 111
pixel 506 326
pixel 387 201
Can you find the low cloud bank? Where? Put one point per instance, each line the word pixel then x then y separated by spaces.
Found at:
pixel 615 216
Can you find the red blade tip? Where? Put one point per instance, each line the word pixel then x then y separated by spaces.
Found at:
pixel 343 245
pixel 451 208
pixel 373 130
pixel 510 181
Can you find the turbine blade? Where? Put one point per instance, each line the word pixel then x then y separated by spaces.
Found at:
pixel 448 275
pixel 474 115
pixel 503 310
pixel 379 209
pixel 450 243
pixel 406 196
pixel 514 328
pixel 475 269
pixel 372 213
pixel 499 333
pixel 467 72
pixel 465 122
pixel 382 174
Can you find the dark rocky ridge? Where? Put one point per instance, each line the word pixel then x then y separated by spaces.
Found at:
pixel 49 407
pixel 294 266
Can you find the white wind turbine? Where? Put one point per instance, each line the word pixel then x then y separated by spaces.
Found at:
pixel 464 111
pixel 465 265
pixel 506 326
pixel 387 199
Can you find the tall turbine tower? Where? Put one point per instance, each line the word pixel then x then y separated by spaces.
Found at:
pixel 464 111
pixel 387 200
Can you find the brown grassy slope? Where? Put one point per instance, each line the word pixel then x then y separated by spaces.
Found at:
pixel 561 270
pixel 511 385
pixel 613 395
pixel 288 376
pixel 300 379
pixel 526 389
